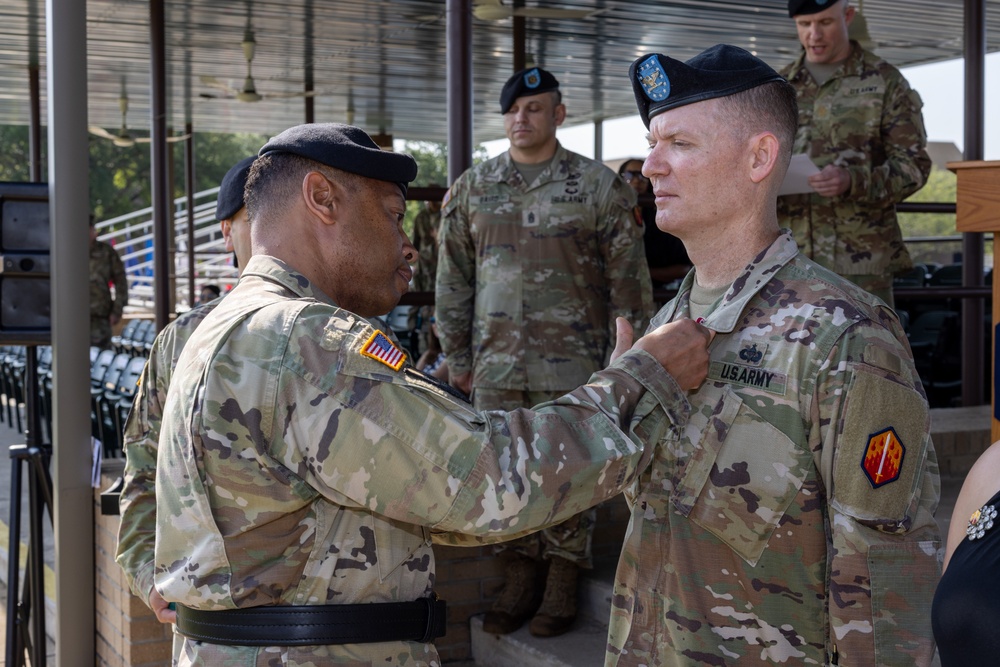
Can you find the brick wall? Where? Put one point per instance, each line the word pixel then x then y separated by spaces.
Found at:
pixel 128 634
pixel 960 435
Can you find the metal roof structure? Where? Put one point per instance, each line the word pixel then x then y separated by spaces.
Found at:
pixel 381 64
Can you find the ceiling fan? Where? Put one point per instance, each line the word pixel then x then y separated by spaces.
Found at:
pixel 123 139
pixel 248 93
pixel 495 10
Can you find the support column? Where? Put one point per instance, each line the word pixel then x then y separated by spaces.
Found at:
pixel 69 202
pixel 459 31
pixel 973 340
pixel 159 164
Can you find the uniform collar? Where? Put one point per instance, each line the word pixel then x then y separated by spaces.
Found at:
pixel 854 65
pixel 274 270
pixel 753 279
pixel 506 171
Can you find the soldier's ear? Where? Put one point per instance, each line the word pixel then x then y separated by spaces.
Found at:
pixel 320 195
pixel 764 155
pixel 560 114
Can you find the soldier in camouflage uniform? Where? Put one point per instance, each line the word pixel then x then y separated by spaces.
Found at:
pixel 860 122
pixel 425 240
pixel 106 268
pixel 142 429
pixel 304 466
pixel 539 255
pixel 792 520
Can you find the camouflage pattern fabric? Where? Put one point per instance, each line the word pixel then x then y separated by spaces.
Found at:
pixel 142 433
pixel 295 470
pixel 757 535
pixel 573 538
pixel 531 276
pixel 425 226
pixel 866 119
pixel 105 268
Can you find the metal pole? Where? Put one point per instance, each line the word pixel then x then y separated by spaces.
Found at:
pixel 66 77
pixel 973 364
pixel 459 60
pixel 34 91
pixel 14 557
pixel 520 58
pixel 189 187
pixel 35 125
pixel 308 57
pixel 599 139
pixel 158 162
pixel 36 561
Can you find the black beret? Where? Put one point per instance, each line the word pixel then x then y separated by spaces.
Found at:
pixel 231 191
pixel 347 148
pixel 531 81
pixel 661 83
pixel 796 7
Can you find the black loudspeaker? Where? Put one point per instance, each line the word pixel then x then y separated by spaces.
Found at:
pixel 25 301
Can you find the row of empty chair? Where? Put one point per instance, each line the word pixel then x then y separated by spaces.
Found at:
pixel 114 376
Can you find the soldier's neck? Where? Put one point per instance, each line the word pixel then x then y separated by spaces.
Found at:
pixel 720 258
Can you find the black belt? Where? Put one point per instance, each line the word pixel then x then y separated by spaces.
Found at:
pixel 419 621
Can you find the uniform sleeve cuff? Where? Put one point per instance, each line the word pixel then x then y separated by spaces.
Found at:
pixel 642 366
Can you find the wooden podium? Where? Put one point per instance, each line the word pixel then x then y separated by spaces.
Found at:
pixel 978 210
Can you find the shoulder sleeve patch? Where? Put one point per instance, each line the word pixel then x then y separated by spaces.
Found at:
pixel 380 348
pixel 881 450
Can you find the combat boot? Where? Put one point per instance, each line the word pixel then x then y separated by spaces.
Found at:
pixel 519 598
pixel 558 610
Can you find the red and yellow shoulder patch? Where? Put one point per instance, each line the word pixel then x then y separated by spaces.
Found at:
pixel 883 458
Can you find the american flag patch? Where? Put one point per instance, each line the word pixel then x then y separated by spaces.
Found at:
pixel 381 349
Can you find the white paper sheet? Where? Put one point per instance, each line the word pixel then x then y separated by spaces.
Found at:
pixel 799 170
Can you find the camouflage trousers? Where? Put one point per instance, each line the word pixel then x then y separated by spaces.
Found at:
pixel 100 332
pixel 570 539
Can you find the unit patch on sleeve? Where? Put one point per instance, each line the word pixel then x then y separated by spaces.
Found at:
pixel 881 447
pixel 380 348
pixel 883 459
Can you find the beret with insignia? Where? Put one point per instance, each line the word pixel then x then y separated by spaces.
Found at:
pixel 531 81
pixel 347 148
pixel 661 83
pixel 796 7
pixel 231 191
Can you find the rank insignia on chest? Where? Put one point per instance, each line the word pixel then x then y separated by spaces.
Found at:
pixel 883 459
pixel 380 348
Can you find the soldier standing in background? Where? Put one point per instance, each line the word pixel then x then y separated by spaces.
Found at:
pixel 425 240
pixel 142 429
pixel 304 466
pixel 792 520
pixel 860 122
pixel 539 254
pixel 106 269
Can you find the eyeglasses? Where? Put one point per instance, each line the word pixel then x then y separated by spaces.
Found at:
pixel 630 176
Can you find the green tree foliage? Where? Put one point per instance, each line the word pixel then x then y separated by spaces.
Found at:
pixel 940 188
pixel 15 156
pixel 120 177
pixel 432 169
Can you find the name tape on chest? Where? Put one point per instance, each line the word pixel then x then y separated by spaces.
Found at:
pixel 380 348
pixel 748 376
